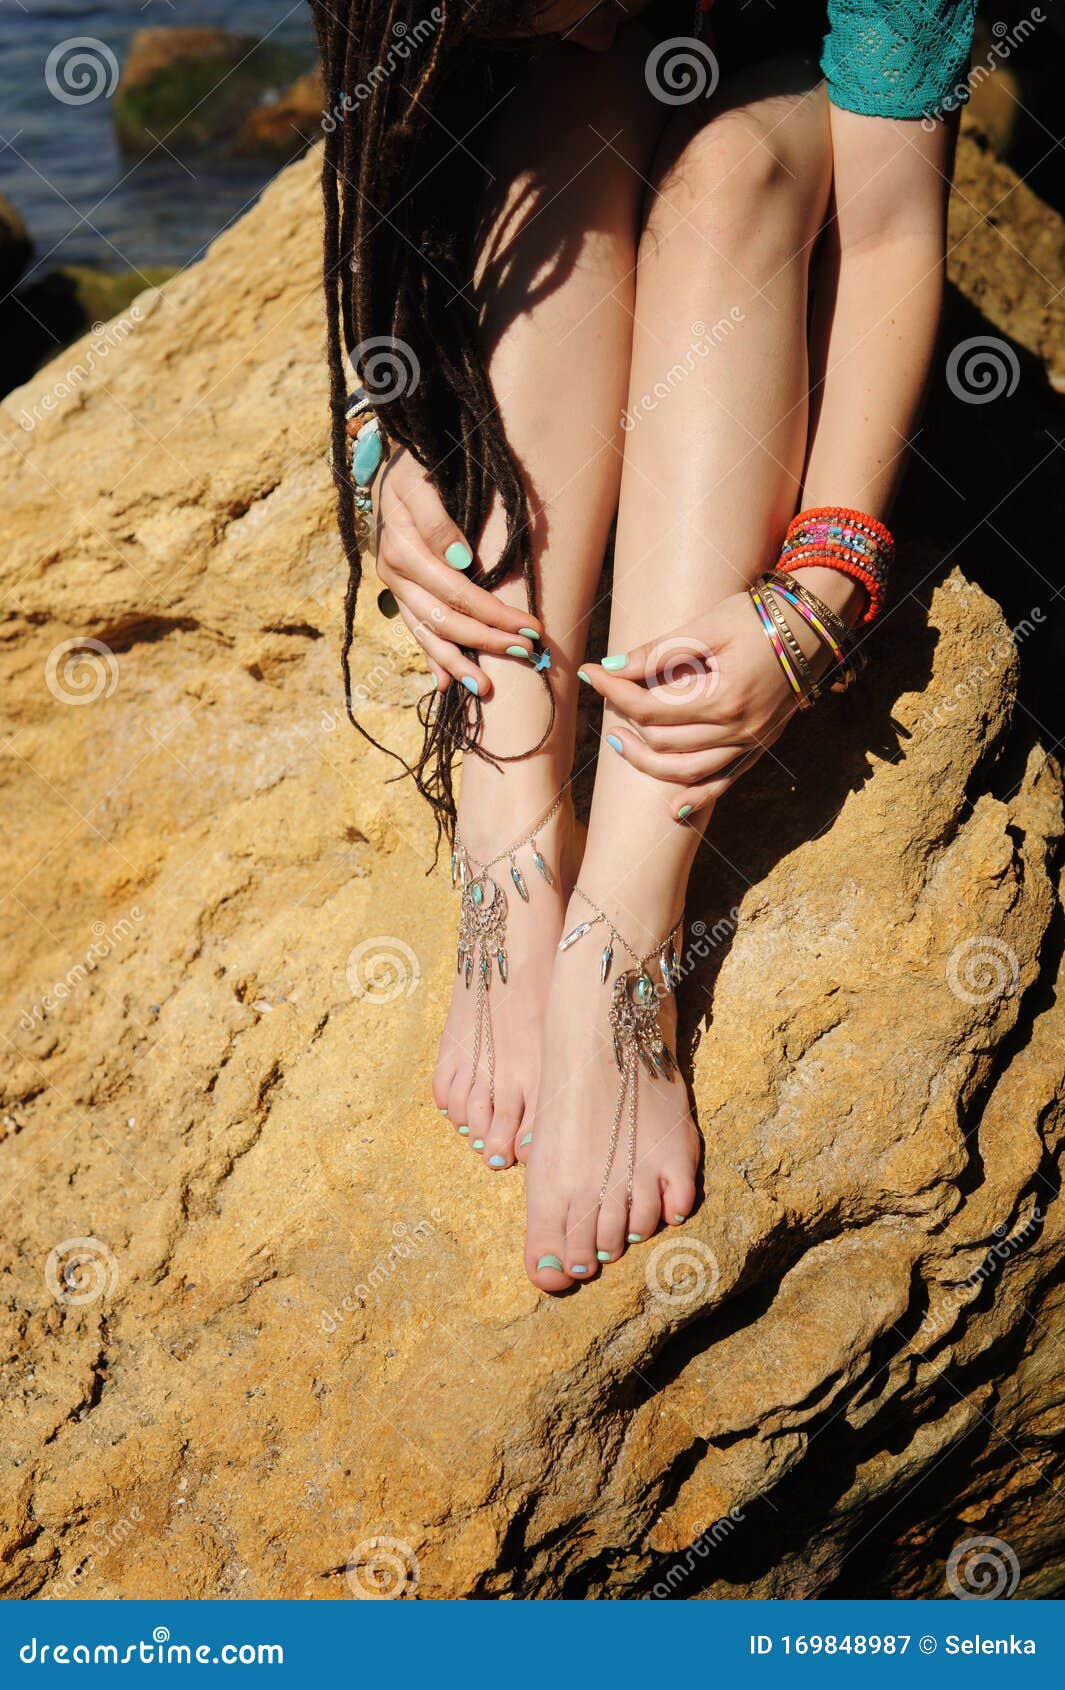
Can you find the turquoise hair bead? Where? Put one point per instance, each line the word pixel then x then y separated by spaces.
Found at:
pixel 366 458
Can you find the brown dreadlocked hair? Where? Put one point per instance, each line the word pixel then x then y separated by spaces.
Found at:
pixel 403 77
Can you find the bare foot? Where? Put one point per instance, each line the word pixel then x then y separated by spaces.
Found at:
pixel 496 1118
pixel 570 1234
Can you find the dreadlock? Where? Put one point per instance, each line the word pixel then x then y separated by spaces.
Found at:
pixel 402 77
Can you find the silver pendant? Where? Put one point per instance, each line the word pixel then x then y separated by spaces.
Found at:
pixel 543 868
pixel 605 965
pixel 578 932
pixel 501 964
pixel 517 878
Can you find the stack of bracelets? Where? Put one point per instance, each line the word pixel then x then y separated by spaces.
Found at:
pixel 833 538
pixel 366 447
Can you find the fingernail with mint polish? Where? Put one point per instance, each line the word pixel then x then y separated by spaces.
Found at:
pixel 517 651
pixel 684 812
pixel 530 633
pixel 614 743
pixel 458 555
pixel 472 684
pixel 618 661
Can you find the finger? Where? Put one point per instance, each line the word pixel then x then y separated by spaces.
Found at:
pixel 666 658
pixel 444 538
pixel 403 549
pixel 446 657
pixel 687 805
pixel 686 768
pixel 458 630
pixel 691 736
pixel 650 705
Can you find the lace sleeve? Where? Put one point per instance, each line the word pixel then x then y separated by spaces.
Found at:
pixel 902 58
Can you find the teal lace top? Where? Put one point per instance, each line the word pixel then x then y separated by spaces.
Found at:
pixel 903 58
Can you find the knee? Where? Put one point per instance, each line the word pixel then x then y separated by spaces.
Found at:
pixel 750 181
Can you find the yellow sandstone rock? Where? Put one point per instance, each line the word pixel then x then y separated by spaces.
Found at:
pixel 267 1330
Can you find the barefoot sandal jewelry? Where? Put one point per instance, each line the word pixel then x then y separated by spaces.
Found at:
pixel 483 923
pixel 634 1024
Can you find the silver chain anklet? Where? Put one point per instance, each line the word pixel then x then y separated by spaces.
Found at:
pixel 634 1022
pixel 483 923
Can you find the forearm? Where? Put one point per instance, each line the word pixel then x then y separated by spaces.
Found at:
pixel 877 305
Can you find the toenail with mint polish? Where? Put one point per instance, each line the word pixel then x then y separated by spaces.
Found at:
pixel 614 743
pixel 635 1238
pixel 527 1139
pixel 472 684
pixel 618 661
pixel 464 1131
pixel 578 1267
pixel 550 1262
pixel 497 1161
pixel 603 1256
pixel 678 1218
pixel 478 1144
pixel 443 1111
pixel 458 555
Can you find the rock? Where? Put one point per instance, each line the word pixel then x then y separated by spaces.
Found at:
pixel 192 87
pixel 284 127
pixel 41 319
pixel 16 248
pixel 268 1331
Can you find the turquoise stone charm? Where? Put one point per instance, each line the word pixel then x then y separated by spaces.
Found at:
pixel 367 455
pixel 477 894
pixel 644 988
pixel 501 964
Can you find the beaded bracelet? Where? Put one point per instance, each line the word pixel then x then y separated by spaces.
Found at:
pixel 366 446
pixel 833 537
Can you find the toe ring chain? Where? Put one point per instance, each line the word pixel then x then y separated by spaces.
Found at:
pixel 483 923
pixel 634 1022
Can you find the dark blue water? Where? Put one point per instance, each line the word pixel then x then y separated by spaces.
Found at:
pixel 82 201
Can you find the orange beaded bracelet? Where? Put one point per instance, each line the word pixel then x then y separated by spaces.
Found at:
pixel 833 537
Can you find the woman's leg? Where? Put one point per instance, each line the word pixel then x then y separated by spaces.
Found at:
pixel 554 285
pixel 711 471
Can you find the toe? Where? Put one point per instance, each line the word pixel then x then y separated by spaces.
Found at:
pixel 678 1197
pixel 443 1083
pixel 645 1212
pixel 456 1100
pixel 524 1142
pixel 545 1240
pixel 506 1118
pixel 580 1257
pixel 611 1227
pixel 479 1113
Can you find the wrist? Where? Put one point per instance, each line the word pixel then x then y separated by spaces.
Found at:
pixel 841 592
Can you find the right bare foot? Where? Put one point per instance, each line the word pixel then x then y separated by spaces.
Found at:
pixel 570 1232
pixel 496 1117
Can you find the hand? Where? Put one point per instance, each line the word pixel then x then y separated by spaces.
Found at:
pixel 698 707
pixel 441 608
